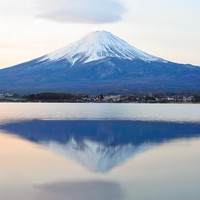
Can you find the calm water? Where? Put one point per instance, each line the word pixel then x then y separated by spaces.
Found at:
pixel 99 151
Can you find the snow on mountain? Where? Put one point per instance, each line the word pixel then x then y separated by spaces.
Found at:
pixel 96 156
pixel 100 63
pixel 99 45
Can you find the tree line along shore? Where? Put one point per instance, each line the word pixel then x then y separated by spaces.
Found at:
pixel 102 98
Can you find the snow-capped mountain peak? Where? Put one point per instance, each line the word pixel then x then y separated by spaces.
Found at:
pixel 97 46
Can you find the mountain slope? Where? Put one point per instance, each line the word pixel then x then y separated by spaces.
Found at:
pixel 97 46
pixel 100 63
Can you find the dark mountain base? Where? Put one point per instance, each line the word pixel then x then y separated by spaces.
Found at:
pixel 106 76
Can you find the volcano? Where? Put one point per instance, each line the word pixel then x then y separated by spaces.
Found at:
pixel 100 63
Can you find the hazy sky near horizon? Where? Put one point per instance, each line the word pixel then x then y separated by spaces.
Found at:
pixel 166 28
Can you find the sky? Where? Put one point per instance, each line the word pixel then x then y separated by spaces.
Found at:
pixel 169 29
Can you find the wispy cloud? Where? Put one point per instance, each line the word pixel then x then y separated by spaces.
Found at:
pixel 82 11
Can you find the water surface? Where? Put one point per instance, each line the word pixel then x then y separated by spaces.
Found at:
pixel 99 151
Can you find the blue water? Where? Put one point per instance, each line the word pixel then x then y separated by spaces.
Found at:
pixel 99 151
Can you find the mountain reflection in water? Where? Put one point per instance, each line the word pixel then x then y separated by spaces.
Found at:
pixel 100 145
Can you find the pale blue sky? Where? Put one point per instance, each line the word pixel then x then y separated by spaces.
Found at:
pixel 166 28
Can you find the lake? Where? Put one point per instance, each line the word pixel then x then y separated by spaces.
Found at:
pixel 99 151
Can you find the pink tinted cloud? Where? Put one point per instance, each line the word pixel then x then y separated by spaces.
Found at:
pixel 82 11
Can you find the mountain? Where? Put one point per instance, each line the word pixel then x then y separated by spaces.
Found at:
pixel 98 46
pixel 100 63
pixel 100 145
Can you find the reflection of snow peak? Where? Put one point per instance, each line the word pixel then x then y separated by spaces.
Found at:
pixel 97 157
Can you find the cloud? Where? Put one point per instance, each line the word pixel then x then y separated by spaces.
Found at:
pixel 82 11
